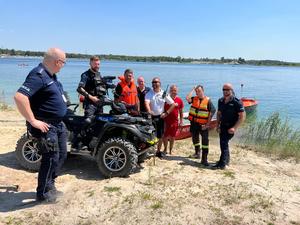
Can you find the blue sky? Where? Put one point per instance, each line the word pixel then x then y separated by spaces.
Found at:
pixel 257 29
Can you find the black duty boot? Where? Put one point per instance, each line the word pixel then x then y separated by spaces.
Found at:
pixel 204 158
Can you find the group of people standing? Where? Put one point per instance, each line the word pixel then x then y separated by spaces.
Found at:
pixel 42 102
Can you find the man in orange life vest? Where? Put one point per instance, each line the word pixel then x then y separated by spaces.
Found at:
pixel 126 92
pixel 201 112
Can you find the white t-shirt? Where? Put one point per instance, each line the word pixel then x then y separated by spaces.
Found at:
pixel 157 102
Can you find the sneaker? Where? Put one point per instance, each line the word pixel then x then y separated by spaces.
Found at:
pixel 75 148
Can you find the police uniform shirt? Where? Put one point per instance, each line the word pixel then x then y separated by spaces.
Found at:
pixel 45 94
pixel 230 111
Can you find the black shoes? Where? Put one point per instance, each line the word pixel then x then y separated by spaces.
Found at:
pixel 204 163
pixel 218 166
pixel 159 154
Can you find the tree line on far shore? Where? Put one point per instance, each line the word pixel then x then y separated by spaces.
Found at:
pixel 178 59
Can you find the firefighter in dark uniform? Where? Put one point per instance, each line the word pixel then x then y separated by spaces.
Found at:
pixel 230 115
pixel 88 88
pixel 201 112
pixel 41 101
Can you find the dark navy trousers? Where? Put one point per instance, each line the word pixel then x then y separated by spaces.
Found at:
pixel 52 158
pixel 224 145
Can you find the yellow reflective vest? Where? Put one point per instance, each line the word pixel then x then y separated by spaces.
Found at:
pixel 199 112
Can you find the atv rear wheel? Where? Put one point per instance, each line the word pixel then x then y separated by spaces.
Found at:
pixel 117 158
pixel 27 153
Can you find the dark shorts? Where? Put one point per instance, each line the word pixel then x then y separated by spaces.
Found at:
pixel 159 126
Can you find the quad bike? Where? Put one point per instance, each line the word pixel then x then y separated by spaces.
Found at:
pixel 115 139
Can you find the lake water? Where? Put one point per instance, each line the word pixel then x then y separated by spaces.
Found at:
pixel 276 88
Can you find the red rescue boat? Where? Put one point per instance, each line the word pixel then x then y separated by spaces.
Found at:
pixel 183 132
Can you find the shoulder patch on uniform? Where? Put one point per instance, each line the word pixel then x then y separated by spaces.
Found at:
pixel 40 70
pixel 25 88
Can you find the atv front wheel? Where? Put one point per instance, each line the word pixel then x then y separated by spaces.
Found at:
pixel 117 158
pixel 27 153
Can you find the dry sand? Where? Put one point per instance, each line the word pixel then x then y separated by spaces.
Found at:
pixel 255 189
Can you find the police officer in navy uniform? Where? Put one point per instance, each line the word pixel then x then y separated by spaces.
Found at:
pixel 230 115
pixel 88 88
pixel 41 101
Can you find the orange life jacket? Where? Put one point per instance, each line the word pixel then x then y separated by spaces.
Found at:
pixel 129 94
pixel 199 112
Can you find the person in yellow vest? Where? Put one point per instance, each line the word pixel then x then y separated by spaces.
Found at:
pixel 200 114
pixel 126 92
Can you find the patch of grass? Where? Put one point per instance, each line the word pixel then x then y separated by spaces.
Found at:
pixel 145 196
pixel 262 203
pixel 156 205
pixel 129 199
pixel 231 194
pixel 10 220
pixel 297 188
pixel 112 189
pixel 274 136
pixel 3 105
pixel 228 173
pixel 90 193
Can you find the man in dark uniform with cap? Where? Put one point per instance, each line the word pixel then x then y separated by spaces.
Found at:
pixel 231 114
pixel 41 101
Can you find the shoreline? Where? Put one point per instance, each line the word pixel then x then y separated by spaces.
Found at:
pixel 233 62
pixel 254 189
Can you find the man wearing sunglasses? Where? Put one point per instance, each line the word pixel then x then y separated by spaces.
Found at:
pixel 154 102
pixel 230 115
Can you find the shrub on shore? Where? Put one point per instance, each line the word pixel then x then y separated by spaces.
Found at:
pixel 3 105
pixel 275 136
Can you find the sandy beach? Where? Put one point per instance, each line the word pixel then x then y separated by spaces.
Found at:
pixel 254 189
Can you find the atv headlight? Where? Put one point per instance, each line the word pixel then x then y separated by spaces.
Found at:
pixel 153 141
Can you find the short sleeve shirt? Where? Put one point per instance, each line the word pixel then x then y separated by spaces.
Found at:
pixel 230 111
pixel 173 116
pixel 45 94
pixel 157 101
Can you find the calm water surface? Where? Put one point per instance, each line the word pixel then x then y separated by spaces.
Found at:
pixel 276 88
